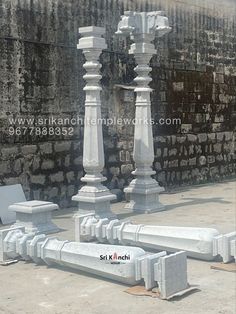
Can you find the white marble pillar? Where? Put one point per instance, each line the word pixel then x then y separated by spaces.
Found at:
pixel 142 27
pixel 94 196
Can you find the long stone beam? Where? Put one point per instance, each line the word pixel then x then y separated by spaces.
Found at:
pixel 129 265
pixel 197 242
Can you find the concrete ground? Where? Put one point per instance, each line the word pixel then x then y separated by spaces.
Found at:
pixel 27 288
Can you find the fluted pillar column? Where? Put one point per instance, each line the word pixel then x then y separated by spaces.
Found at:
pixel 142 27
pixel 94 196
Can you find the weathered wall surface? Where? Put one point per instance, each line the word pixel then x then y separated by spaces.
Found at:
pixel 194 79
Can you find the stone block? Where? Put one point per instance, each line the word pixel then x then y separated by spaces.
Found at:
pixel 158 166
pixel 122 156
pixel 38 179
pixel 57 177
pixel 173 152
pixel 192 137
pixel 78 161
pixel 17 167
pixel 202 160
pixel 8 152
pixel 160 139
pixel 70 176
pixel 211 159
pixel 192 161
pixel 47 164
pixel 186 128
pixel 217 148
pixel 173 163
pixel 183 163
pixel 67 161
pixel 11 181
pixel 35 163
pixel 71 190
pixel 34 216
pixel 220 136
pixel 28 149
pixel 180 139
pixel 228 136
pixel 62 147
pixel 5 167
pixel 115 171
pixel 211 136
pixel 45 148
pixel 202 137
pixel 53 192
pixel 126 169
pixel 158 152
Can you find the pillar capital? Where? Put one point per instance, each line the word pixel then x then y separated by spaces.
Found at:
pixel 91 38
pixel 143 23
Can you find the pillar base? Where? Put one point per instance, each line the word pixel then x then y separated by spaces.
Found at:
pixel 144 196
pixel 35 216
pixel 95 201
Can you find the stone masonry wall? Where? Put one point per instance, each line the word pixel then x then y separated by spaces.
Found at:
pixel 194 79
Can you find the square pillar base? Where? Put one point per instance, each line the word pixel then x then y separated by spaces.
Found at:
pixel 35 216
pixel 95 204
pixel 144 198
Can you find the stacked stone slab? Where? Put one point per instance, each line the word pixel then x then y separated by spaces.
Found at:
pixel 142 27
pixel 95 258
pixel 94 196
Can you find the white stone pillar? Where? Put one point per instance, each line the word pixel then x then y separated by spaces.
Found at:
pixel 142 28
pixel 94 196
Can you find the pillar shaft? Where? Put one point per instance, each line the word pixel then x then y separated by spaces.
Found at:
pixel 142 28
pixel 94 196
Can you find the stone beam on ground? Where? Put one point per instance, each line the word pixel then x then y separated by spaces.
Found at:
pixel 94 196
pixel 125 264
pixel 196 242
pixel 142 28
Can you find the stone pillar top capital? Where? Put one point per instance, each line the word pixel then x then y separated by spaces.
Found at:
pixel 133 23
pixel 91 38
pixel 92 31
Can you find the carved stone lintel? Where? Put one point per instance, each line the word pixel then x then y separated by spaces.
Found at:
pixel 94 196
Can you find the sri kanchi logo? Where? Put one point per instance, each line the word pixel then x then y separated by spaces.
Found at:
pixel 115 258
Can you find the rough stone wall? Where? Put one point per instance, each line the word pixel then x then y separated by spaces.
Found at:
pixel 194 79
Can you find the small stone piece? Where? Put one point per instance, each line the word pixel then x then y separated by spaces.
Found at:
pixel 171 274
pixel 35 216
pixel 222 246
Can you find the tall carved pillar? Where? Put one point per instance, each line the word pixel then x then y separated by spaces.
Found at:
pixel 94 196
pixel 142 28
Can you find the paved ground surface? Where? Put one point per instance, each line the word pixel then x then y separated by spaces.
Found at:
pixel 27 288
